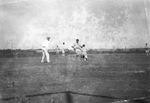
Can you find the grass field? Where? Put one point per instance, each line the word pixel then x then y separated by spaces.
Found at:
pixel 104 78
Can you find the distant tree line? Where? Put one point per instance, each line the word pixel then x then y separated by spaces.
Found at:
pixel 32 53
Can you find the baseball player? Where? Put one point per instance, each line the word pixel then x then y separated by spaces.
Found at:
pixel 77 47
pixel 57 49
pixel 146 49
pixel 45 53
pixel 63 49
pixel 84 52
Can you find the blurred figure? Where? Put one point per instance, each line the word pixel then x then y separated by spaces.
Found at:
pixel 84 52
pixel 45 53
pixel 77 47
pixel 63 49
pixel 57 49
pixel 146 49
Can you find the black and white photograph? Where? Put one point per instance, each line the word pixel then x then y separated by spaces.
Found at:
pixel 74 51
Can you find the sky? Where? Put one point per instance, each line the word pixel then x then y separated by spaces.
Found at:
pixel 24 24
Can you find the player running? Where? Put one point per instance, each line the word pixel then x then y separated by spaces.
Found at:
pixel 146 49
pixel 77 48
pixel 45 53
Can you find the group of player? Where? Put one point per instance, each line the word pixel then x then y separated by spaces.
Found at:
pixel 81 50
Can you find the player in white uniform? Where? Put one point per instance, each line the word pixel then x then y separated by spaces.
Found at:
pixel 57 49
pixel 45 53
pixel 146 49
pixel 84 52
pixel 77 48
pixel 63 49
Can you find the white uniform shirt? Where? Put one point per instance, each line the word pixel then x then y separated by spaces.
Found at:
pixel 77 46
pixel 84 50
pixel 63 47
pixel 146 47
pixel 45 44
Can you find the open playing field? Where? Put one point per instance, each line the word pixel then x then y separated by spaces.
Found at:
pixel 104 78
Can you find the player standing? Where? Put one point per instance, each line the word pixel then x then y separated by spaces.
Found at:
pixel 45 53
pixel 146 49
pixel 63 49
pixel 57 49
pixel 84 52
pixel 77 48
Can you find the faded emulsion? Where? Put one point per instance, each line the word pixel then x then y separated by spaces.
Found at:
pixel 112 65
pixel 97 23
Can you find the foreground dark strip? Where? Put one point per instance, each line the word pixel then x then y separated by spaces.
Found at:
pixel 65 92
pixel 69 97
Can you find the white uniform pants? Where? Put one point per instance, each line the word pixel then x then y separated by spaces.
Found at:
pixel 45 54
pixel 63 52
pixel 147 51
pixel 78 51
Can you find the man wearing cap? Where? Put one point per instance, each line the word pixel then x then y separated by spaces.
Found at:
pixel 77 47
pixel 45 53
